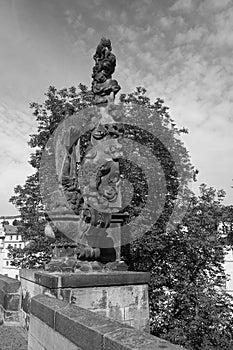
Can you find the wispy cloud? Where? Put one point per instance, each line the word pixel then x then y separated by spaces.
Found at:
pixel 182 5
pixel 180 50
pixel 15 127
pixel 182 54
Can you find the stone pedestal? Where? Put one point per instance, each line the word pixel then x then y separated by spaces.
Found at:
pixel 120 295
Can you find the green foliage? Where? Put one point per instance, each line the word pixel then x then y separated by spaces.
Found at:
pixel 187 300
pixel 58 105
pixel 187 303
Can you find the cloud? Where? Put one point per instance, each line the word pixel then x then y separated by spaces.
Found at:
pixel 181 53
pixel 208 6
pixel 193 34
pixel 182 5
pixel 14 134
pixel 221 35
pixel 189 64
pixel 166 22
pixel 13 174
pixel 14 152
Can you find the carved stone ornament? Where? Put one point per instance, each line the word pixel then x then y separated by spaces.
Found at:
pixel 92 185
pixel 103 86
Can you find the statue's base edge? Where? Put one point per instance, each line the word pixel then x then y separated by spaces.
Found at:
pixel 57 280
pixel 73 265
pixel 121 295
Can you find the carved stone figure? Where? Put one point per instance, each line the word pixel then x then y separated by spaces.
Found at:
pixel 103 86
pixel 93 186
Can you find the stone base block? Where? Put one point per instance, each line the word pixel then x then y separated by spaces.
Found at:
pixel 119 295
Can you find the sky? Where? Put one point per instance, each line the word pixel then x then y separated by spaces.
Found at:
pixel 179 50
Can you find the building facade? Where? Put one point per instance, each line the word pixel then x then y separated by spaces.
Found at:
pixel 9 236
pixel 229 271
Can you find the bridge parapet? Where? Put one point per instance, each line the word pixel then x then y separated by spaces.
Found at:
pixel 56 324
pixel 9 300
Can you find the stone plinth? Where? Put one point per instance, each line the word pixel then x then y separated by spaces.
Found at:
pixel 120 295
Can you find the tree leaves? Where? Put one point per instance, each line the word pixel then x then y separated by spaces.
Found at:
pixel 188 305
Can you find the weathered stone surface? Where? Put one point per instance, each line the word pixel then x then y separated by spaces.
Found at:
pixel 9 285
pixel 105 61
pixel 13 338
pixel 43 337
pixel 126 304
pixel 83 327
pixel 1 315
pixel 24 319
pixel 74 280
pixel 66 295
pixel 75 328
pixel 104 279
pixel 130 339
pixel 117 266
pixel 75 325
pixel 29 289
pixel 12 302
pixel 11 316
pixel 28 274
pixel 2 297
pixel 44 308
pixel 90 298
pixel 9 299
pixel 109 294
pixel 47 280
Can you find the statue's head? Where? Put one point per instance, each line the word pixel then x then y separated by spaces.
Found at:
pixel 106 43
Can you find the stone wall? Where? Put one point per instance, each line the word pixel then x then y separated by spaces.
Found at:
pixel 122 295
pixel 58 325
pixel 9 300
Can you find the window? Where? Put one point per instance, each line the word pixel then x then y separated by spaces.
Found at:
pixel 7 263
pixel 11 238
pixel 20 245
pixel 17 237
pixel 15 245
pixel 16 276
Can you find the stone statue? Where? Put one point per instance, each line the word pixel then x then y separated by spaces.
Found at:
pixel 95 200
pixel 103 86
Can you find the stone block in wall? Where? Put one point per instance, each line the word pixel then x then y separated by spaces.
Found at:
pixel 131 339
pixel 11 316
pixel 114 300
pixel 108 294
pixel 8 284
pixel 42 337
pixel 90 298
pixel 9 299
pixel 29 288
pixel 12 301
pixel 66 326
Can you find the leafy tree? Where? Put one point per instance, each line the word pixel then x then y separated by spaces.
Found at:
pixel 187 299
pixel 187 303
pixel 227 224
pixel 58 105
